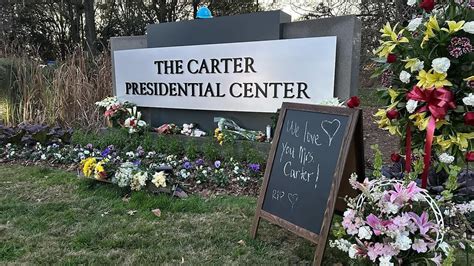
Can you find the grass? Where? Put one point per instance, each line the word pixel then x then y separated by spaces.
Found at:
pixel 369 98
pixel 51 216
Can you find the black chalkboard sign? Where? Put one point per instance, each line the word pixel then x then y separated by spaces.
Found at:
pixel 305 168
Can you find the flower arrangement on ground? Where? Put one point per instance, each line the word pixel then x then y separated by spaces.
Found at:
pixel 133 122
pixel 427 69
pixel 397 222
pixel 391 222
pixel 228 131
pixel 114 110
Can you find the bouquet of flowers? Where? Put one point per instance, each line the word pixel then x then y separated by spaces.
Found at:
pixel 428 71
pixel 392 222
pixel 97 168
pixel 114 110
pixel 227 131
pixel 133 123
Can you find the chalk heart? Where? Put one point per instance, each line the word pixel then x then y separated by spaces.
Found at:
pixel 293 198
pixel 331 128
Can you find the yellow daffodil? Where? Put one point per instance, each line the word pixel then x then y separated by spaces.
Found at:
pixel 471 78
pixel 420 120
pixel 393 95
pixel 88 166
pixel 99 170
pixel 432 79
pixel 385 49
pixel 431 25
pixel 414 64
pixel 395 39
pixel 454 26
pixel 443 143
pixel 422 79
pixel 385 123
pixel 159 179
pixel 383 119
pixel 393 130
pixel 462 139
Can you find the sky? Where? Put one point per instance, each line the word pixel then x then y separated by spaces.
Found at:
pixel 296 8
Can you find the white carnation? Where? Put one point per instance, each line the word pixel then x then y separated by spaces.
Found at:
pixel 403 242
pixel 411 2
pixel 365 232
pixel 385 261
pixel 419 65
pixel 445 248
pixel 411 106
pixel 331 102
pixel 468 100
pixel 352 252
pixel 405 76
pixel 469 27
pixel 414 24
pixel 441 65
pixel 446 158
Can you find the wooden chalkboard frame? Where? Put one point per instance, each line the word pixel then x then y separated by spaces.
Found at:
pixel 352 143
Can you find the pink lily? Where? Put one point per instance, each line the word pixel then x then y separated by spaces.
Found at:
pixel 422 222
pixel 400 194
pixel 377 224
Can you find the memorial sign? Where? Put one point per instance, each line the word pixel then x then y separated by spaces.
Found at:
pixel 305 169
pixel 244 77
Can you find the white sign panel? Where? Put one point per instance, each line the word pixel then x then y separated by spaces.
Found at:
pixel 246 77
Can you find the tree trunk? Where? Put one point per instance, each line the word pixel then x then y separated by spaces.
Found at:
pixel 91 35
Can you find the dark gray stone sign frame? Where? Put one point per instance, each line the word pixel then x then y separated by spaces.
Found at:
pixel 260 26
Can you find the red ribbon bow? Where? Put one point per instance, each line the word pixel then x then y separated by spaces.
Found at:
pixel 438 102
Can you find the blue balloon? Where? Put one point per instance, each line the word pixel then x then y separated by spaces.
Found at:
pixel 203 12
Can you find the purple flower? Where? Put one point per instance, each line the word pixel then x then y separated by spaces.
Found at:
pixel 137 162
pixel 401 194
pixel 140 151
pixel 105 152
pixel 255 167
pixel 217 164
pixel 387 77
pixel 187 165
pixel 422 222
pixel 199 162
pixel 470 84
pixel 419 246
pixel 89 146
pixel 459 46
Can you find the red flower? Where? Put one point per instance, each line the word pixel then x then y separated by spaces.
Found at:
pixel 427 5
pixel 393 114
pixel 391 58
pixel 395 157
pixel 353 102
pixel 469 118
pixel 470 156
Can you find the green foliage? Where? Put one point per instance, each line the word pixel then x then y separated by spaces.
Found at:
pixel 192 151
pixel 452 182
pixel 251 154
pixel 211 150
pixel 450 259
pixel 220 178
pixel 192 148
pixel 378 161
pixel 418 166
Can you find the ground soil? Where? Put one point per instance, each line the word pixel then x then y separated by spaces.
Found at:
pixel 374 135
